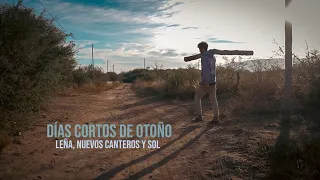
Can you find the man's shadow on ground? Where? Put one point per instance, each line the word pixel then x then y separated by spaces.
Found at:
pixel 111 173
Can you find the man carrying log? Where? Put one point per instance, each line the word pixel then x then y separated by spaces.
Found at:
pixel 208 77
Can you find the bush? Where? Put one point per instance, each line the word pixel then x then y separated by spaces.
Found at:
pixel 294 161
pixel 181 83
pixel 34 61
pixel 252 86
pixel 131 76
pixel 83 75
pixel 112 76
pixel 306 79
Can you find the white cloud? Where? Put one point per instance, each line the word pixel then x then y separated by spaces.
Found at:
pixel 129 55
pixel 255 22
pixel 89 14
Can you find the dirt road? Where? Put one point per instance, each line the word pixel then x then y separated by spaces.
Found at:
pixel 193 152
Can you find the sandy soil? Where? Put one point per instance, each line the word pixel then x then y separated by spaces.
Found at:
pixel 195 151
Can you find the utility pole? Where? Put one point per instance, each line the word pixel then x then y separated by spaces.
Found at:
pixel 144 63
pixel 288 66
pixel 107 66
pixel 93 66
pixel 113 68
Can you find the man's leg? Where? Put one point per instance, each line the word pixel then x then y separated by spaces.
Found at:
pixel 214 101
pixel 200 92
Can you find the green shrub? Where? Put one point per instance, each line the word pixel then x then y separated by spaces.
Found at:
pixel 81 76
pixel 111 76
pixel 35 60
pixel 132 76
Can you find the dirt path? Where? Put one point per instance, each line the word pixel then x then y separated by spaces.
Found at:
pixel 193 152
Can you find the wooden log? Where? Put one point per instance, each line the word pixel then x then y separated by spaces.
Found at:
pixel 232 52
pixel 191 58
pixel 221 52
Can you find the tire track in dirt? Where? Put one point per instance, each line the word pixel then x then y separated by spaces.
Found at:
pixel 180 157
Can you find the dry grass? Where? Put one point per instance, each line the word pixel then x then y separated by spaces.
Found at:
pixel 259 94
pixel 178 83
pixel 89 88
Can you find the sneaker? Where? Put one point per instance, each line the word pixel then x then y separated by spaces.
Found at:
pixel 198 119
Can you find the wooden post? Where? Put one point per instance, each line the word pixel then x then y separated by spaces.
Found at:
pixel 288 69
pixel 93 66
pixel 287 2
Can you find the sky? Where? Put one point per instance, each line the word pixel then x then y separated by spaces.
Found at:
pixel 125 32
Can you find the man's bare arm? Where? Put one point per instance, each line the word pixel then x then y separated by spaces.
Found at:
pixel 232 52
pixel 191 58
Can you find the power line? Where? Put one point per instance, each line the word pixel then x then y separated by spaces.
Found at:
pixel 98 55
pixel 95 50
pixel 78 41
pixel 52 16
pixel 46 10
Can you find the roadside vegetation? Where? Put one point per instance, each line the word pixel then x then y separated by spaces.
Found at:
pixel 36 63
pixel 254 90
